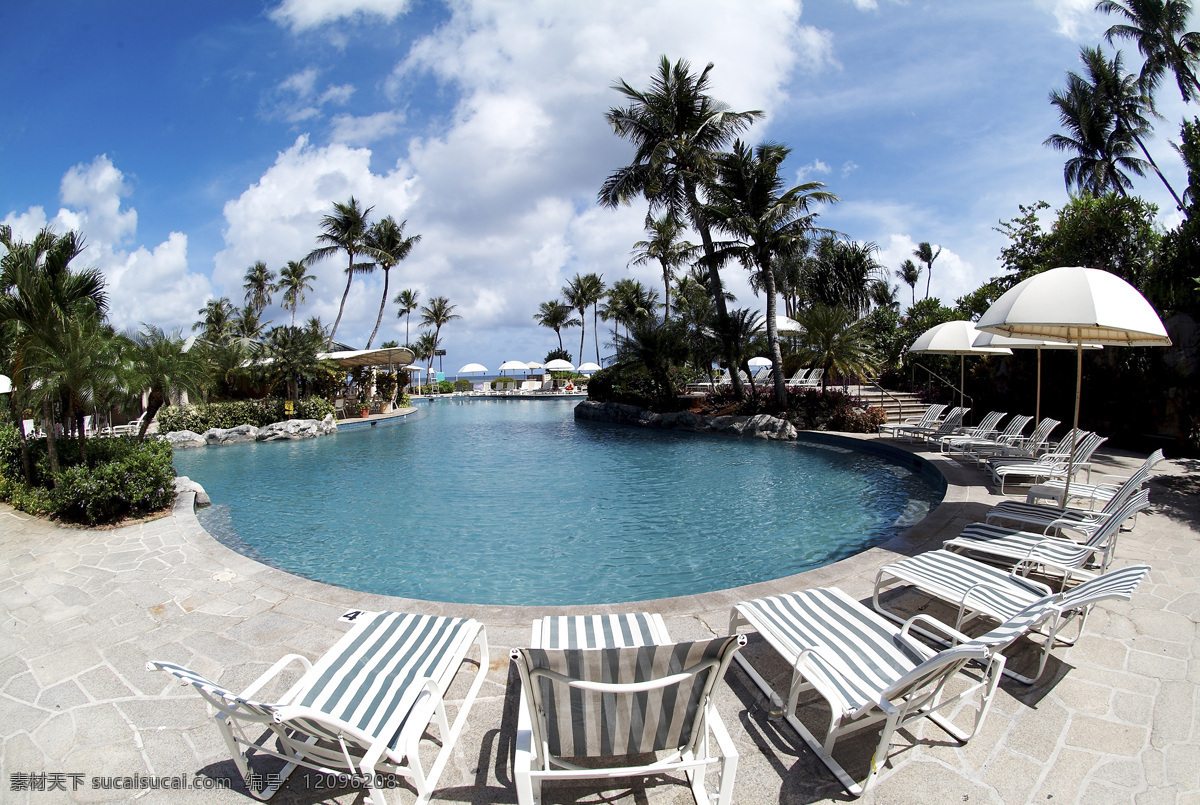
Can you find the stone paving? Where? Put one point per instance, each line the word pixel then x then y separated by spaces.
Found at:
pixel 83 610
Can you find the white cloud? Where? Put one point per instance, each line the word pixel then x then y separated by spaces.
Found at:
pixel 806 172
pixel 1077 20
pixel 297 98
pixel 144 285
pixel 302 15
pixel 848 167
pixel 367 129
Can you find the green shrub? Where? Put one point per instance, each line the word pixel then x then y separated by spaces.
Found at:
pixel 500 383
pixel 139 479
pixel 462 384
pixel 630 385
pixel 259 413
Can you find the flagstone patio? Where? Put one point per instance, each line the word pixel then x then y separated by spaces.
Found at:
pixel 1115 719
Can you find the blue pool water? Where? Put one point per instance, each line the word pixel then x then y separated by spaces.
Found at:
pixel 514 502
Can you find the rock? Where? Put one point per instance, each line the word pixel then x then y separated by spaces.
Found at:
pixel 328 425
pixel 183 439
pixel 220 436
pixel 186 484
pixel 769 427
pixel 731 425
pixel 291 430
pixel 760 426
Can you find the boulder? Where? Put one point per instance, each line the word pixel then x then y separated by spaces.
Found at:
pixel 186 484
pixel 328 425
pixel 183 439
pixel 762 426
pixel 291 430
pixel 222 436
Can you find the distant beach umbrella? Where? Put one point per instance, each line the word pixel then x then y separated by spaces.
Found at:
pixel 559 365
pixel 1076 305
pixel 955 338
pixel 513 366
pixel 757 362
pixel 589 367
pixel 5 384
pixel 788 326
pixel 472 367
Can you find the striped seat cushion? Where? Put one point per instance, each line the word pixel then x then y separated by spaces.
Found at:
pixel 1001 541
pixel 950 576
pixel 215 691
pixel 596 631
pixel 1043 515
pixel 1113 584
pixel 582 723
pixel 369 674
pixel 857 654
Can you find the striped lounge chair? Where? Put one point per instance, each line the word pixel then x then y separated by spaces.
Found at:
pixel 1029 447
pixel 927 419
pixel 980 590
pixel 599 688
pixel 1048 465
pixel 867 670
pixel 986 429
pixel 1040 514
pixel 1059 553
pixel 361 709
pixel 1103 491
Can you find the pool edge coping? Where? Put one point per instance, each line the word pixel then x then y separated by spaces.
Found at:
pixel 848 572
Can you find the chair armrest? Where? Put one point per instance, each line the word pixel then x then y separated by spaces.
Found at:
pixel 927 620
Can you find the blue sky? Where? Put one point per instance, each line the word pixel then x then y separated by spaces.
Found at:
pixel 188 139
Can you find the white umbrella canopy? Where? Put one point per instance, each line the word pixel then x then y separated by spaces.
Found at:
pixel 757 362
pixel 5 384
pixel 788 326
pixel 514 366
pixel 954 338
pixel 559 365
pixel 589 367
pixel 472 367
pixel 1079 305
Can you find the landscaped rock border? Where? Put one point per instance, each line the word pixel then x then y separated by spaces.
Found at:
pixel 291 430
pixel 759 426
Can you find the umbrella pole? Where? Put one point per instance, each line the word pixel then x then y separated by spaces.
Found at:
pixel 1037 407
pixel 962 380
pixel 1074 434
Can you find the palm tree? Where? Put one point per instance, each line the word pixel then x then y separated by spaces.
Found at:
pixel 407 300
pixel 628 302
pixel 665 247
pixel 555 315
pixel 575 293
pixel 217 320
pixel 835 341
pixel 1159 27
pixel 41 295
pixel 909 273
pixel 162 367
pixel 594 289
pixel 925 253
pixel 344 230
pixel 294 280
pixel 248 325
pixel 387 238
pixel 1101 140
pixel 748 202
pixel 842 273
pixel 676 128
pixel 260 281
pixel 438 313
pixel 293 351
pixel 425 348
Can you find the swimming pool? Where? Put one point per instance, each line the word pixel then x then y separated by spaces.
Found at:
pixel 514 502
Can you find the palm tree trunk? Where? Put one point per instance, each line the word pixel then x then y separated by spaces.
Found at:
pixel 582 330
pixel 342 307
pixel 928 278
pixel 51 439
pixel 18 408
pixel 768 274
pixel 714 281
pixel 666 293
pixel 407 319
pixel 558 332
pixel 1153 164
pixel 382 304
pixel 596 328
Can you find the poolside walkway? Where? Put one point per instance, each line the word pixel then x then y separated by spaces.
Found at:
pixel 1118 720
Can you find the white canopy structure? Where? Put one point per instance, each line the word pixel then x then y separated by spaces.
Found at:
pixel 5 384
pixel 388 356
pixel 788 326
pixel 757 362
pixel 559 365
pixel 472 367
pixel 589 367
pixel 513 366
pixel 1081 306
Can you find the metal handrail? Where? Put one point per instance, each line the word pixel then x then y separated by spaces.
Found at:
pixel 953 387
pixel 899 402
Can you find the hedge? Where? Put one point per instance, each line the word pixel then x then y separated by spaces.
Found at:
pixel 259 413
pixel 99 481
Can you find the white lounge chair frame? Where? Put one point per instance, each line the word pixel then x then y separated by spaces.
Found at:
pixel 925 420
pixel 986 429
pixel 866 670
pixel 359 710
pixel 624 642
pixel 1103 491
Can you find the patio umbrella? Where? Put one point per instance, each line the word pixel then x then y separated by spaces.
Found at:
pixel 1076 305
pixel 993 340
pixel 513 366
pixel 559 365
pixel 757 362
pixel 5 384
pixel 472 367
pixel 788 326
pixel 954 338
pixel 589 367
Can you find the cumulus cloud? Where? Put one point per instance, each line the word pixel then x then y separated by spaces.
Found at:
pixel 152 285
pixel 301 15
pixel 1077 19
pixel 815 168
pixel 366 129
pixel 298 98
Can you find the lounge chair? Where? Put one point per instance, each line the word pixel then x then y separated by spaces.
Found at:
pixel 1061 553
pixel 866 669
pixel 797 379
pixel 986 429
pixel 924 421
pixel 1104 491
pixel 1011 433
pixel 614 686
pixel 947 427
pixel 128 429
pixel 1049 465
pixel 359 710
pixel 814 379
pixel 980 590
pixel 1030 446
